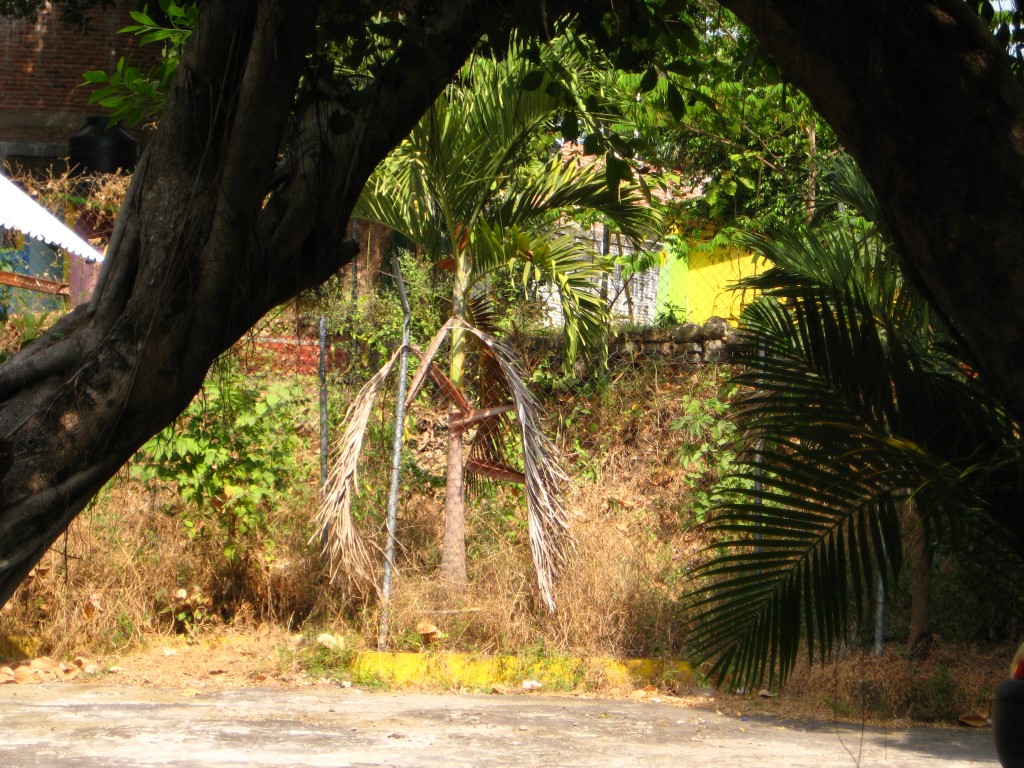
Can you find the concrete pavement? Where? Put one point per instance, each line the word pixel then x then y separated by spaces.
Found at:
pixel 94 726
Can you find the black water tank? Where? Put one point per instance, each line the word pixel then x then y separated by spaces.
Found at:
pixel 99 149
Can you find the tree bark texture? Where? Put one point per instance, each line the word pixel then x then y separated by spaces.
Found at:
pixel 219 226
pixel 453 547
pixel 923 97
pixel 374 242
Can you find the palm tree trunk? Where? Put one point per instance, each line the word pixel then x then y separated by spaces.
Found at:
pixel 453 549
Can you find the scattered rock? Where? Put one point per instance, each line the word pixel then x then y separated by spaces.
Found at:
pixel 331 642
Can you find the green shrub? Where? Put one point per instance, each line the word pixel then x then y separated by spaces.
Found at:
pixel 230 455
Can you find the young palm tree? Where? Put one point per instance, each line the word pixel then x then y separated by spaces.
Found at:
pixel 467 189
pixel 858 400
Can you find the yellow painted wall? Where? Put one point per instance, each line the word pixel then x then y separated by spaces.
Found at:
pixel 710 275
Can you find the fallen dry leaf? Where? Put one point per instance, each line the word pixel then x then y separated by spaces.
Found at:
pixel 25 676
pixel 974 720
pixel 429 632
pixel 45 664
pixel 87 667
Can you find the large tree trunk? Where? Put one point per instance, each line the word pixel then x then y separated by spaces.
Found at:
pixel 374 242
pixel 923 97
pixel 213 233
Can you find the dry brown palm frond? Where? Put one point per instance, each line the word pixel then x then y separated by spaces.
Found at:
pixel 427 367
pixel 495 471
pixel 548 521
pixel 490 444
pixel 344 548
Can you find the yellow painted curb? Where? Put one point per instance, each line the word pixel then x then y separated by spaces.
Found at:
pixel 462 670
pixel 17 647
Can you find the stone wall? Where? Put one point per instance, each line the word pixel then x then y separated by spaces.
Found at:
pixel 688 344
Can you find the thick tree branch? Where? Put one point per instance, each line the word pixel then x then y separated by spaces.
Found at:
pixel 199 256
pixel 923 97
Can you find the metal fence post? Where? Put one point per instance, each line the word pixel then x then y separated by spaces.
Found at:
pixel 396 461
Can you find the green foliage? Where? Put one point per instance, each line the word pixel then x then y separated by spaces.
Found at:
pixel 856 400
pixel 6 262
pixel 373 323
pixel 128 92
pixel 1007 24
pixel 471 186
pixel 29 326
pixel 187 611
pixel 326 662
pixel 719 119
pixel 937 696
pixel 710 451
pixel 229 455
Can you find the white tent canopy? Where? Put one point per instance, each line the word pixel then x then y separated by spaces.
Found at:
pixel 19 211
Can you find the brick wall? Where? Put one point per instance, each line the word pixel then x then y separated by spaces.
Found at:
pixel 41 66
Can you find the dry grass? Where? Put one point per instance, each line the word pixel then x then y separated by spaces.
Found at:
pixel 126 575
pixel 857 686
pixel 126 570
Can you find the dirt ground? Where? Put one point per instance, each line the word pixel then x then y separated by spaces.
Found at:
pixel 270 658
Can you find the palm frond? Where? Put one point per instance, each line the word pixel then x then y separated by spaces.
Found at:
pixel 563 264
pixel 547 519
pixel 562 187
pixel 491 445
pixel 462 152
pixel 841 426
pixel 344 548
pixel 449 391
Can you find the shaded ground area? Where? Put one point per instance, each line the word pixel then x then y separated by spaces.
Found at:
pixel 97 725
